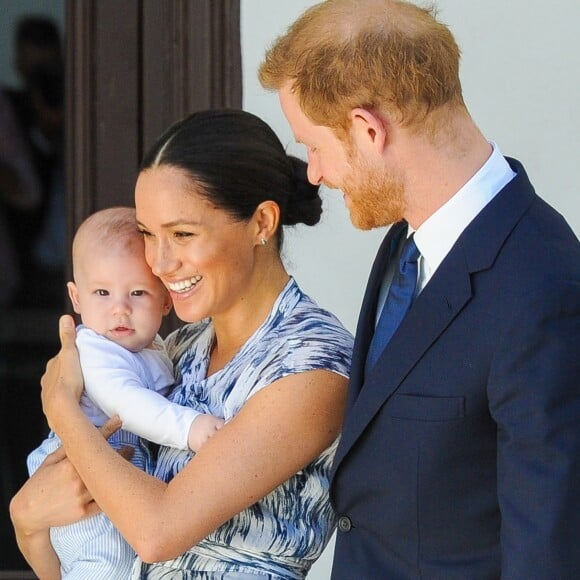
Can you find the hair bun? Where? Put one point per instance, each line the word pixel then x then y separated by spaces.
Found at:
pixel 304 204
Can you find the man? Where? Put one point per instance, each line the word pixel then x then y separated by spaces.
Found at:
pixel 460 453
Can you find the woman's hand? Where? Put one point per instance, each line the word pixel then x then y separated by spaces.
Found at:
pixel 55 495
pixel 62 378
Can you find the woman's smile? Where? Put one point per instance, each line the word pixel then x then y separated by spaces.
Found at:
pixel 184 285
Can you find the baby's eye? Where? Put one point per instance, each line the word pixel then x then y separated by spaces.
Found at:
pixel 138 293
pixel 101 292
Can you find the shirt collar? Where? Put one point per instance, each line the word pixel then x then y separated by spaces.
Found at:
pixel 437 235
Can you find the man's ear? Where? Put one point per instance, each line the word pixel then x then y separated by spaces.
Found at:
pixel 73 294
pixel 369 129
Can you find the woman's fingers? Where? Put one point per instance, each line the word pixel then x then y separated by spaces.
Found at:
pixel 63 374
pixel 54 496
pixel 111 426
pixel 67 332
pixel 55 457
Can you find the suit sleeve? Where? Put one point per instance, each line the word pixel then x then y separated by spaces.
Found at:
pixel 534 393
pixel 113 382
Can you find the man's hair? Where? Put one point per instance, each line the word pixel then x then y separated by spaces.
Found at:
pixel 387 56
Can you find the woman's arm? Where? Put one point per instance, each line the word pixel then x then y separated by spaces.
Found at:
pixel 279 431
pixel 53 496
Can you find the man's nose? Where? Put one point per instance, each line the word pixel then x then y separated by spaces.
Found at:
pixel 313 172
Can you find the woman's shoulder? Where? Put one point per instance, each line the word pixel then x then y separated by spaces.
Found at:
pixel 306 332
pixel 299 336
pixel 307 316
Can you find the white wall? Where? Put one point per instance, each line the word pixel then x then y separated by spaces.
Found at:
pixel 331 260
pixel 521 79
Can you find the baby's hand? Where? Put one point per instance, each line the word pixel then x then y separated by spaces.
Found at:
pixel 202 428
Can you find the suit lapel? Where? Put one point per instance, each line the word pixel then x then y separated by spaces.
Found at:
pixel 441 301
pixel 431 313
pixel 366 321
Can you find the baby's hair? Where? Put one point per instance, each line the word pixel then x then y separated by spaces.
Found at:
pixel 114 228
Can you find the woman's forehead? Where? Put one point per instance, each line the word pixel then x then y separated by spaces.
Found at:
pixel 169 190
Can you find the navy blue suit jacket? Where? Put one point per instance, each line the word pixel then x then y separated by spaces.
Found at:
pixel 460 453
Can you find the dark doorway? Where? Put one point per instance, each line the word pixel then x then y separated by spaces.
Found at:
pixel 131 68
pixel 32 233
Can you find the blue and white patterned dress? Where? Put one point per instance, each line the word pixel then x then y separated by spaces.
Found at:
pixel 281 535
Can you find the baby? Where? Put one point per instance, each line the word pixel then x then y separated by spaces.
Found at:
pixel 126 372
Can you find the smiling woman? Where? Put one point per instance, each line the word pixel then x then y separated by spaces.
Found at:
pixel 205 257
pixel 212 196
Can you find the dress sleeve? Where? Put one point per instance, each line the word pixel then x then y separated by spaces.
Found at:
pixel 316 341
pixel 116 383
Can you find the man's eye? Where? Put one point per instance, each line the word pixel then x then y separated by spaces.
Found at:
pixel 101 292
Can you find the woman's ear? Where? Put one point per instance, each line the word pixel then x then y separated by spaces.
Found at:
pixel 73 294
pixel 369 130
pixel 267 220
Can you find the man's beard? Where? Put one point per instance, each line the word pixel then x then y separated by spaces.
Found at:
pixel 376 195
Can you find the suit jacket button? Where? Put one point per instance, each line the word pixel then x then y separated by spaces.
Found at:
pixel 344 524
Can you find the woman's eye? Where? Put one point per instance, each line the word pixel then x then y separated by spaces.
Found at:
pixel 145 233
pixel 183 234
pixel 101 292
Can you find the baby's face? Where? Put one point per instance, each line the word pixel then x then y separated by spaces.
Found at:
pixel 118 297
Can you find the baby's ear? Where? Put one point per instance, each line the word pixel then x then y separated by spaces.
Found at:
pixel 167 304
pixel 73 294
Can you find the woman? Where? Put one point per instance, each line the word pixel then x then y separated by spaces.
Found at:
pixel 211 198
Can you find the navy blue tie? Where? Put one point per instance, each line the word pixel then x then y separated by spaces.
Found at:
pixel 398 301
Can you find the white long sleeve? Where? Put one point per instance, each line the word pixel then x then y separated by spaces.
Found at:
pixel 132 385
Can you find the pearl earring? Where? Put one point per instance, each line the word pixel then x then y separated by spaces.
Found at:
pixel 264 242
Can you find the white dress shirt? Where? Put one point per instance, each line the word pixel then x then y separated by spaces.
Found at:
pixel 437 235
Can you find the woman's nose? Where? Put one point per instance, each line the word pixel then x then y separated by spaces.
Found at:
pixel 161 260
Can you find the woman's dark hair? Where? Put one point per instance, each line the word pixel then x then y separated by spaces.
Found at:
pixel 239 162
